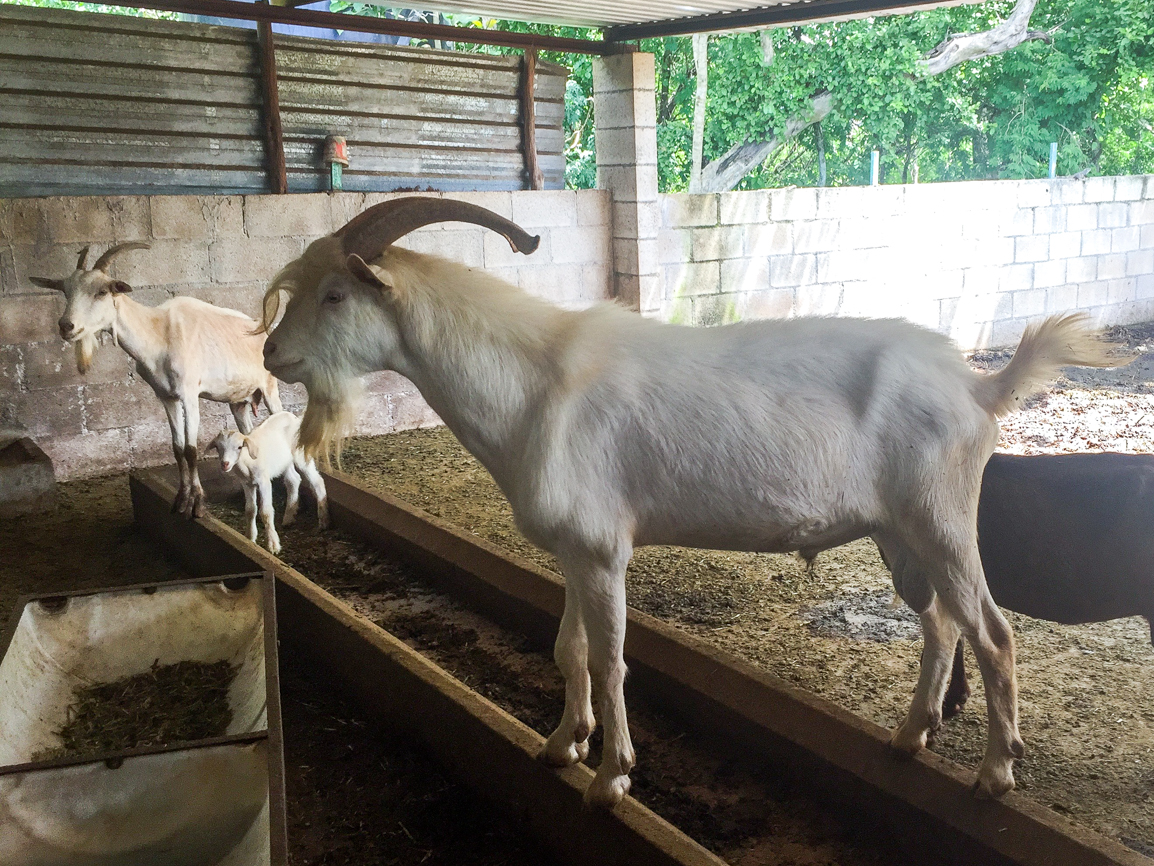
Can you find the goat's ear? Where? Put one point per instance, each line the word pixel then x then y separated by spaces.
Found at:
pixel 248 443
pixel 119 287
pixel 46 283
pixel 363 272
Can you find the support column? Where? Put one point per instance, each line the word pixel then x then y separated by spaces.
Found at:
pixel 625 114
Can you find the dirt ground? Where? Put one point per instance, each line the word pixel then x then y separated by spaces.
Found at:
pixel 1086 716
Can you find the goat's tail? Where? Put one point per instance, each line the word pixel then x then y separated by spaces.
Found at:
pixel 1046 347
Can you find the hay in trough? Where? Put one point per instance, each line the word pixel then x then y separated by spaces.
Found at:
pixel 165 704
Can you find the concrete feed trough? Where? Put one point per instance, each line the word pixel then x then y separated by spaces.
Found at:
pixel 207 802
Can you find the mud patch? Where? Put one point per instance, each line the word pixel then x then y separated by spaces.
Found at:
pixel 863 616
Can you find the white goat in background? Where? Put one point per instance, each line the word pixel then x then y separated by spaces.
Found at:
pixel 271 451
pixel 184 349
pixel 607 431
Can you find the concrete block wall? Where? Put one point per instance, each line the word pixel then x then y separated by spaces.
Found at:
pixel 975 260
pixel 223 249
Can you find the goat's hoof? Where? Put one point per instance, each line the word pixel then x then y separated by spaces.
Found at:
pixel 905 744
pixel 606 790
pixel 274 549
pixel 198 507
pixel 563 755
pixel 995 778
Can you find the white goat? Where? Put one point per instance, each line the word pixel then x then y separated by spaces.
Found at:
pixel 606 431
pixel 271 451
pixel 184 349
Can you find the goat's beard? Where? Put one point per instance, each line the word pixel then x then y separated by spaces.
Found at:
pixel 329 417
pixel 85 348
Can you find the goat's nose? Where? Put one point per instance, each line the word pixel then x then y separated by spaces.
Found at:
pixel 66 327
pixel 269 348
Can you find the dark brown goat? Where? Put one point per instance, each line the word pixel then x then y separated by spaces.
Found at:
pixel 1068 538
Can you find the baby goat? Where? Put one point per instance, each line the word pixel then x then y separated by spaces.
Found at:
pixel 271 451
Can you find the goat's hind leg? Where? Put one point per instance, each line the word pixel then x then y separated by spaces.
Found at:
pixel 569 743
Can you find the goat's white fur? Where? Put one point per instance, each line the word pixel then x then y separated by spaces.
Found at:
pixel 184 349
pixel 271 451
pixel 606 431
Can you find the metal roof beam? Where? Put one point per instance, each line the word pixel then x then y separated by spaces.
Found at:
pixel 364 24
pixel 800 12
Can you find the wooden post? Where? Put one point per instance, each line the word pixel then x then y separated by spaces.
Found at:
pixel 274 136
pixel 533 177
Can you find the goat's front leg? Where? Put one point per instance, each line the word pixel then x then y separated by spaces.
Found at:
pixel 250 509
pixel 569 743
pixel 267 517
pixel 292 486
pixel 600 589
pixel 316 483
pixel 175 413
pixel 194 506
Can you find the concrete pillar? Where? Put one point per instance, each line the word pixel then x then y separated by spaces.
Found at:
pixel 625 114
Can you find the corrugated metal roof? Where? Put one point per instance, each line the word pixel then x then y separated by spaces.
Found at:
pixel 612 13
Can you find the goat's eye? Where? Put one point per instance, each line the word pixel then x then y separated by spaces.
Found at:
pixel 102 293
pixel 334 297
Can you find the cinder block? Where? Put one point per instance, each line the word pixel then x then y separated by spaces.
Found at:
pixel 682 210
pixel 1082 269
pixel 1140 262
pixel 1016 278
pixel 1091 294
pixel 1029 303
pixel 767 304
pixel 27 481
pixel 1006 332
pixel 1081 217
pixel 542 208
pixel 744 207
pixel 1111 267
pixel 717 242
pixel 465 246
pixel 981 280
pixel 1129 188
pixel 282 216
pixel 712 310
pixel 1033 193
pixel 1142 213
pixel 1120 291
pixel 1096 242
pixel 49 413
pixel 131 218
pixel 549 282
pixel 1061 299
pixel 1067 191
pixel 746 276
pixel 149 444
pixel 11 373
pixel 168 263
pixel 795 270
pixel 823 299
pixel 702 278
pixel 816 236
pixel 677 311
pixel 1047 274
pixel 842 201
pixel 1065 245
pixel 1147 236
pixel 24 221
pixel 29 318
pixel 500 203
pixel 1144 286
pixel 595 284
pixel 52 364
pixel 769 239
pixel 52 260
pixel 1098 189
pixel 793 204
pixel 1112 215
pixel 673 246
pixel 79 219
pixel 1125 239
pixel 628 182
pixel 122 405
pixel 580 245
pixel 242 260
pixel 181 217
pixel 1021 222
pixel 634 257
pixel 626 146
pixel 243 297
pixel 635 220
pixel 1033 248
pixel 592 207
pixel 80 456
pixel 496 252
pixel 947 313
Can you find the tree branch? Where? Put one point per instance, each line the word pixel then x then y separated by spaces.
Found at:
pixel 725 173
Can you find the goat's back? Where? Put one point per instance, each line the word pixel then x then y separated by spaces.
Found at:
pixel 1069 538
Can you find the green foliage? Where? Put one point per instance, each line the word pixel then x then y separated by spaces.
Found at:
pixel 94 7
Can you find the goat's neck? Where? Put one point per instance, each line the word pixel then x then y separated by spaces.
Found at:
pixel 139 331
pixel 482 387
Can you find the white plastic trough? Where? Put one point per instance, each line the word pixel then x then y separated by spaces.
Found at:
pixel 215 802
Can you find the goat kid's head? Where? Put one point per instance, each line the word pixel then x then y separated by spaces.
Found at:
pixel 340 321
pixel 227 444
pixel 89 309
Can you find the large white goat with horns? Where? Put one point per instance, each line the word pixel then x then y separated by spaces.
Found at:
pixel 184 349
pixel 606 431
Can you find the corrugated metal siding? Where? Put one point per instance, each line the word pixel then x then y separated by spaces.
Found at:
pixel 105 104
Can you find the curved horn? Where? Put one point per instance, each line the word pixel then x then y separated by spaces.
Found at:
pixel 107 256
pixel 83 259
pixel 369 234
